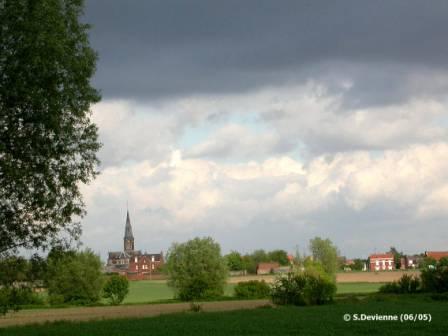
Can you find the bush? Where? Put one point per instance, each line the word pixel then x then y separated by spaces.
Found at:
pixel 253 289
pixel 435 280
pixel 14 297
pixel 302 289
pixel 407 284
pixel 196 269
pixel 74 277
pixel 116 289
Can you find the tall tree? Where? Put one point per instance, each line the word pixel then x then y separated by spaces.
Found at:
pixel 397 256
pixel 280 256
pixel 234 261
pixel 48 143
pixel 196 269
pixel 326 253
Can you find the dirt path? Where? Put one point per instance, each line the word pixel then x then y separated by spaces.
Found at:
pixel 132 311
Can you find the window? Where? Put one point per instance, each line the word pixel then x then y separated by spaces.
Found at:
pixel 152 266
pixel 377 263
pixel 152 258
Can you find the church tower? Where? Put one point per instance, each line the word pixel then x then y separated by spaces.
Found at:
pixel 128 236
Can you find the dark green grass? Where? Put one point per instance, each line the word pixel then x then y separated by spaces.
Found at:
pixel 317 320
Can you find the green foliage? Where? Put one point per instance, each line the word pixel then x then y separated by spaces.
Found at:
pixel 435 279
pixel 116 289
pixel 443 262
pixel 326 253
pixel 17 277
pixel 196 269
pixel 13 269
pixel 37 268
pixel 12 298
pixel 302 289
pixel 428 262
pixel 397 256
pixel 253 289
pixel 358 264
pixel 259 256
pixel 234 261
pixel 280 256
pixel 407 284
pixel 48 143
pixel 74 277
pixel 195 307
pixel 249 264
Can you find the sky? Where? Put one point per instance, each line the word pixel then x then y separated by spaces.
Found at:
pixel 266 123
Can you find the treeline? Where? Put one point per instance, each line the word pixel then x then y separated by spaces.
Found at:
pixel 248 262
pixel 67 276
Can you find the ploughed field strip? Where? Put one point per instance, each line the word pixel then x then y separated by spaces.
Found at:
pixel 114 312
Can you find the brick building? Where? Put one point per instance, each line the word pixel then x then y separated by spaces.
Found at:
pixel 382 262
pixel 133 263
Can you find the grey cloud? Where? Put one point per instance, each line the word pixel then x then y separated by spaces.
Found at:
pixel 153 49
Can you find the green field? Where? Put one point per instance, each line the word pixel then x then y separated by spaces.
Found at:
pixel 152 291
pixel 317 320
pixel 358 287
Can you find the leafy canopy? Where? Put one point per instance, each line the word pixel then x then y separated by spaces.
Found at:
pixel 48 143
pixel 74 277
pixel 196 269
pixel 326 253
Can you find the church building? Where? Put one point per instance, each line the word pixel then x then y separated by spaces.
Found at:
pixel 133 263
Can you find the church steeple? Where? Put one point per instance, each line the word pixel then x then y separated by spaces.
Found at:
pixel 128 236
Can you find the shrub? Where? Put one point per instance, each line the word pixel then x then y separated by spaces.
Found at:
pixel 116 289
pixel 407 284
pixel 195 307
pixel 302 289
pixel 196 269
pixel 390 287
pixel 253 289
pixel 14 297
pixel 435 279
pixel 74 277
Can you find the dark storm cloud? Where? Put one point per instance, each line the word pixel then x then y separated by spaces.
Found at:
pixel 152 49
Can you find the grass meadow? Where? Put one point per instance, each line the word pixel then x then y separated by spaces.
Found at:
pixel 316 320
pixel 158 290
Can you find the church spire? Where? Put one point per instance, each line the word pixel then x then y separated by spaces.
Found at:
pixel 128 236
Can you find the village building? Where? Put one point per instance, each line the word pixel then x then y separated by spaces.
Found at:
pixel 267 267
pixel 437 255
pixel 410 261
pixel 133 263
pixel 382 262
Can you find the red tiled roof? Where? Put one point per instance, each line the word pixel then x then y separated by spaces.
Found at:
pixel 382 256
pixel 437 255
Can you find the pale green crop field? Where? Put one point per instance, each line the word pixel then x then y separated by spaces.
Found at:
pixel 158 290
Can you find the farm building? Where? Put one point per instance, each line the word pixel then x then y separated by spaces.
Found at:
pixel 382 262
pixel 133 263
